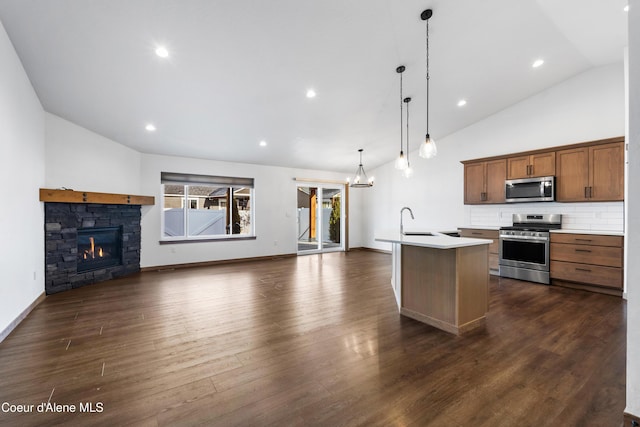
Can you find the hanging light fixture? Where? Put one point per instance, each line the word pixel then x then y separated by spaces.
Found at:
pixel 408 172
pixel 428 148
pixel 401 161
pixel 360 178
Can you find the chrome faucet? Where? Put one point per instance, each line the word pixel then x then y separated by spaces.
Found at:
pixel 401 224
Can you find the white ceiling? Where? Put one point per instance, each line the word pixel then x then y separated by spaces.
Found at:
pixel 238 70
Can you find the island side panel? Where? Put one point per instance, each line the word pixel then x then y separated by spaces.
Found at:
pixel 428 285
pixel 473 285
pixel 396 269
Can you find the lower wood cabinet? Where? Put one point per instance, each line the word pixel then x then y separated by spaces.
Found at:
pixel 590 261
pixel 483 233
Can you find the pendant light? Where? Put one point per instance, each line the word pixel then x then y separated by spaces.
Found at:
pixel 428 148
pixel 408 172
pixel 401 161
pixel 360 178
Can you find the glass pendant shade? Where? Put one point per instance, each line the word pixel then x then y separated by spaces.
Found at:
pixel 401 162
pixel 408 172
pixel 428 149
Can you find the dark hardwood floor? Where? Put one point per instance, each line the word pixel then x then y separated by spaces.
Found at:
pixel 314 340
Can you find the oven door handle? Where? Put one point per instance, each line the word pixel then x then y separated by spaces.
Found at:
pixel 524 239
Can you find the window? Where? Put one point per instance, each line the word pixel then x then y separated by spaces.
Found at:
pixel 197 207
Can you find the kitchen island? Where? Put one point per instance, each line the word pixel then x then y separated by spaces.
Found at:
pixel 440 280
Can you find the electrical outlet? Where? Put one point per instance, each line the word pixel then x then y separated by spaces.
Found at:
pixel 275 243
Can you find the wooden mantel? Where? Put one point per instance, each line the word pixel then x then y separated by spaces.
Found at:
pixel 71 196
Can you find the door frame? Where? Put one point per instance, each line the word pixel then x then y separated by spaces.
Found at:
pixel 344 212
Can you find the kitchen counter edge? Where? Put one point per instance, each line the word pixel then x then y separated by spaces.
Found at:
pixel 438 241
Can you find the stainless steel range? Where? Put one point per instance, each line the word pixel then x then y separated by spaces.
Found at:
pixel 524 247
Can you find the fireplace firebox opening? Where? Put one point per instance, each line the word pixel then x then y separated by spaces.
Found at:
pixel 99 247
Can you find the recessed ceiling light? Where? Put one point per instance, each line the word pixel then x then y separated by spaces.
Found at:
pixel 537 63
pixel 626 8
pixel 150 127
pixel 162 52
pixel 311 93
pixel 263 143
pixel 462 103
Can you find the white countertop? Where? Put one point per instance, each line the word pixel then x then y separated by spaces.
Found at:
pixel 481 227
pixel 437 241
pixel 601 232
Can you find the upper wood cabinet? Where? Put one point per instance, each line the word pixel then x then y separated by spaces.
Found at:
pixel 593 173
pixel 484 182
pixel 540 164
pixel 590 171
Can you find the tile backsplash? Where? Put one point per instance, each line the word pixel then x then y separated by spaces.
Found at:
pixel 605 216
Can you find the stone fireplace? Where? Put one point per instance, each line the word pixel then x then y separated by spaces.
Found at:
pixel 86 243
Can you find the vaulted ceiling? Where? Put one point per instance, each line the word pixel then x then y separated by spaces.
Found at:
pixel 238 70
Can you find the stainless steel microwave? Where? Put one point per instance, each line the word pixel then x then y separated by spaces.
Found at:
pixel 541 189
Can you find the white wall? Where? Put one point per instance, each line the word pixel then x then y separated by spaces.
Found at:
pixel 275 211
pixel 82 160
pixel 586 107
pixel 21 174
pixel 633 220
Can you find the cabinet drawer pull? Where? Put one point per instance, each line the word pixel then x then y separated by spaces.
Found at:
pixel 583 250
pixel 582 240
pixel 583 269
pixel 476 233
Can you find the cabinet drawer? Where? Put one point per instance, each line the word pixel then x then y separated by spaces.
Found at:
pixel 609 277
pixel 598 255
pixel 480 233
pixel 587 239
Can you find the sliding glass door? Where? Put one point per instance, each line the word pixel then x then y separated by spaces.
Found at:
pixel 320 221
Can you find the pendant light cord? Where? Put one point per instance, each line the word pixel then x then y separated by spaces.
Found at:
pixel 427 56
pixel 401 136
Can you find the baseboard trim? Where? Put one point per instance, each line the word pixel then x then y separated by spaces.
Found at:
pixel 5 333
pixel 380 251
pixel 584 287
pixel 214 263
